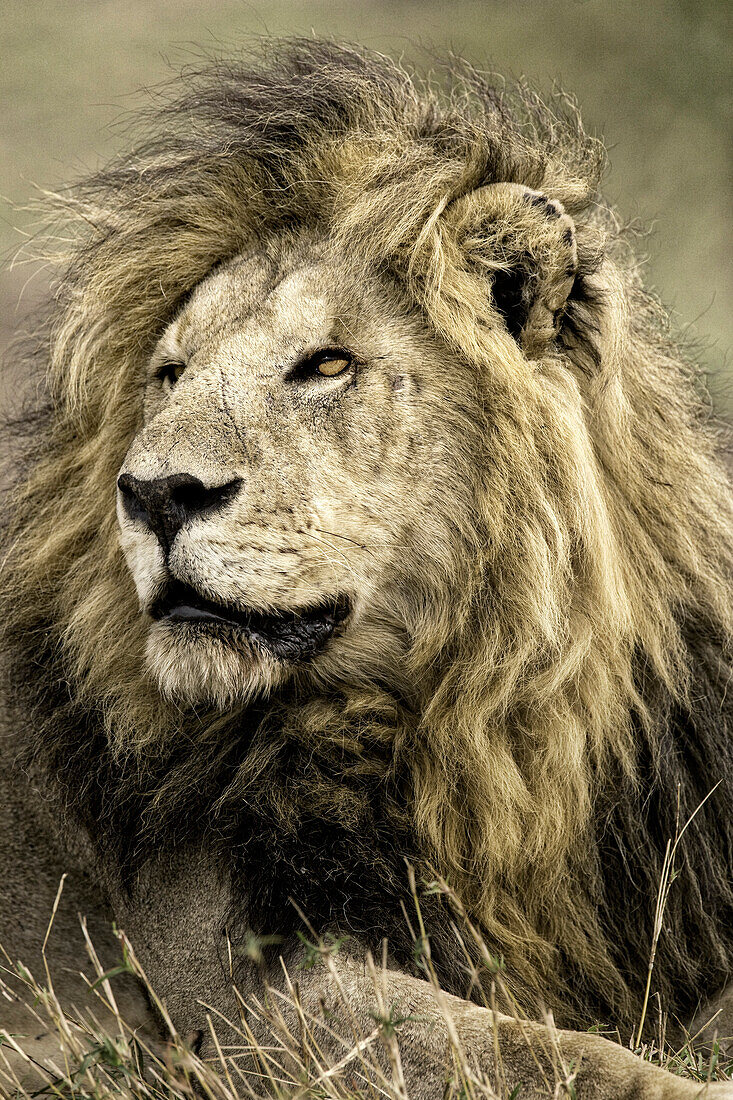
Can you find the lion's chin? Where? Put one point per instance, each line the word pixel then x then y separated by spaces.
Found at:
pixel 193 667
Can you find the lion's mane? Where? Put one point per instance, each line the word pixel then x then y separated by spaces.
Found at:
pixel 579 657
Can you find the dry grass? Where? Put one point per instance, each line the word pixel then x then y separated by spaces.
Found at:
pixel 97 1062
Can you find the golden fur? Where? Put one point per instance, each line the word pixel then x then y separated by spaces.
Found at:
pixel 596 522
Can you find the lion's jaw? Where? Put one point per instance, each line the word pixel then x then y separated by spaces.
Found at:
pixel 296 572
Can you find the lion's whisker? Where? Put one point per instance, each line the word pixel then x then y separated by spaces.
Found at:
pixel 336 535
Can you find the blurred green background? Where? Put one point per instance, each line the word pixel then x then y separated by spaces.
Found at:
pixel 653 77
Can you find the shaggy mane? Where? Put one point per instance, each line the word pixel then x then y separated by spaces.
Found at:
pixel 575 714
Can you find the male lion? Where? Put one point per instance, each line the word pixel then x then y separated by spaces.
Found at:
pixel 421 552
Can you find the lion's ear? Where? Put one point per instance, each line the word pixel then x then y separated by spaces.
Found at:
pixel 524 242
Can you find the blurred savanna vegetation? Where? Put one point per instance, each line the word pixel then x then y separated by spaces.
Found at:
pixel 653 78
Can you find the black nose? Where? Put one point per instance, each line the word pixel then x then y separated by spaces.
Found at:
pixel 164 504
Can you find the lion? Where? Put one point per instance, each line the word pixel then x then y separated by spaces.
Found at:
pixel 373 517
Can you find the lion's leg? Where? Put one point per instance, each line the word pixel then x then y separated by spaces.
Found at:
pixel 311 1020
pixel 508 1054
pixel 319 1018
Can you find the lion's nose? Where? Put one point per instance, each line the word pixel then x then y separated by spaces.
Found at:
pixel 164 504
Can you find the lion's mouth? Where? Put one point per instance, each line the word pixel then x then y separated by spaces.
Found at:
pixel 287 635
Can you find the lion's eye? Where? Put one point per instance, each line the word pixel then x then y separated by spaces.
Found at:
pixel 170 371
pixel 328 363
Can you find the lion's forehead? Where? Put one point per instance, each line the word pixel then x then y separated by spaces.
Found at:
pixel 271 312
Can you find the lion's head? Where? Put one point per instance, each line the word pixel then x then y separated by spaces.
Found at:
pixel 358 412
pixel 292 476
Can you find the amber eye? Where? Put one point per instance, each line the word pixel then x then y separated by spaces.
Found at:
pixel 330 366
pixel 171 371
pixel 326 363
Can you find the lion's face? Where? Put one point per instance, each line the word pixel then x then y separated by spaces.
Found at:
pixel 294 438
